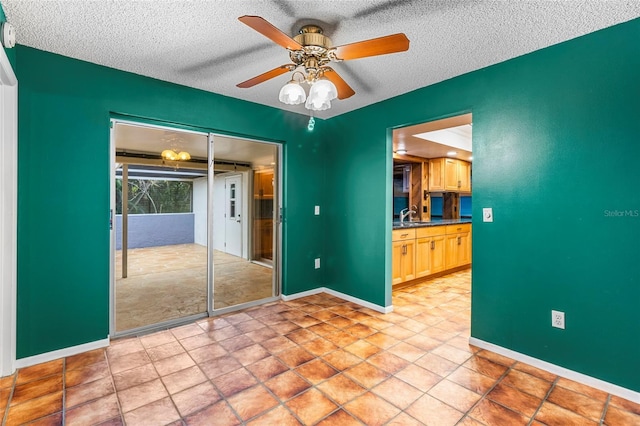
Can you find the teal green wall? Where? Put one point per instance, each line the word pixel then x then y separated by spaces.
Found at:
pixel 555 137
pixel 63 187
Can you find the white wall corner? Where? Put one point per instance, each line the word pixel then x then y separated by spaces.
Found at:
pixel 363 303
pixel 560 371
pixel 8 213
pixel 288 297
pixel 372 306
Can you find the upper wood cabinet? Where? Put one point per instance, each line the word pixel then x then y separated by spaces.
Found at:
pixel 464 176
pixel 449 175
pixel 436 174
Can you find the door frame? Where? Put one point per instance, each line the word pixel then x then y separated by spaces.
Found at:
pixel 8 213
pixel 277 252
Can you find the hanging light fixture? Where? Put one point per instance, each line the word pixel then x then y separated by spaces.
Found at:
pixel 171 155
pixel 176 151
pixel 321 93
pixel 323 89
pixel 292 93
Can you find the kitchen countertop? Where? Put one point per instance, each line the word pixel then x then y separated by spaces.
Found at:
pixel 434 222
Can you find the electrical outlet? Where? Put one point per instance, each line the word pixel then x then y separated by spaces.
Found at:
pixel 557 319
pixel 318 264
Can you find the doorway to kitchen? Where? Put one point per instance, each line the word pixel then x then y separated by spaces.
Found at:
pixel 432 197
pixel 181 226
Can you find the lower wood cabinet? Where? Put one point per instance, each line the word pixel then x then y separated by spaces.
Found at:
pixel 429 250
pixel 458 245
pixel 420 252
pixel 403 255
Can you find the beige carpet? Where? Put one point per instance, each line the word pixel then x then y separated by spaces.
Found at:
pixel 170 282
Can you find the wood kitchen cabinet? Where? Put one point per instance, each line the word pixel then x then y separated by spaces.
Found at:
pixel 429 250
pixel 436 174
pixel 437 254
pixel 403 255
pixel 449 175
pixel 457 246
pixel 464 176
pixel 425 251
pixel 263 184
pixel 263 214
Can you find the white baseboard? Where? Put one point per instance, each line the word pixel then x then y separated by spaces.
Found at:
pixel 364 303
pixel 560 371
pixel 294 296
pixel 61 353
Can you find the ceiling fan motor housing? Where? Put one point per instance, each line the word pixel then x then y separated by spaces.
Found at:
pixel 312 35
pixel 315 47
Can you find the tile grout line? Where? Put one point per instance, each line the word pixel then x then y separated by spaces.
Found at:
pixel 224 398
pixel 113 383
pixel 553 386
pixel 260 382
pixel 146 351
pixel 64 390
pixel 13 388
pixel 486 393
pixel 209 380
pixel 605 409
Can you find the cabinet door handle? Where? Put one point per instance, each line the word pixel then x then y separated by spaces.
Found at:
pixel 459 240
pixel 433 245
pixel 404 249
pixel 459 183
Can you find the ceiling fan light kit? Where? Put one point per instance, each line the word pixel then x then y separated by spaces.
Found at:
pixel 292 93
pixel 311 52
pixel 171 155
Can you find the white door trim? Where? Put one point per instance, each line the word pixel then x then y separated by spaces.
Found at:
pixel 8 213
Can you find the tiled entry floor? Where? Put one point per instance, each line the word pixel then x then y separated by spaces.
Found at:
pixel 317 360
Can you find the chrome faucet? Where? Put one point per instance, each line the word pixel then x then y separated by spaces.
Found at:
pixel 404 213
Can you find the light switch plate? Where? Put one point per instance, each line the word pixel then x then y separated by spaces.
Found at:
pixel 317 263
pixel 316 211
pixel 487 214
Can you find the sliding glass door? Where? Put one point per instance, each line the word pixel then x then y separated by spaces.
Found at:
pixel 160 227
pixel 245 198
pixel 194 229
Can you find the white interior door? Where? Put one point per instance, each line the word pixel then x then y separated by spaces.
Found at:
pixel 233 215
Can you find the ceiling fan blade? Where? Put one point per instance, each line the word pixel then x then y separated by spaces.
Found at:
pixel 376 46
pixel 344 90
pixel 265 28
pixel 265 76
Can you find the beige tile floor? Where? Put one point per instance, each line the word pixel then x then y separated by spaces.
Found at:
pixel 170 282
pixel 318 360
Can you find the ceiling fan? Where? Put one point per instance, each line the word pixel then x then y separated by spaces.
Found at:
pixel 310 52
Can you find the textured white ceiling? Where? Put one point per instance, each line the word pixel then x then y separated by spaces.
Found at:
pixel 153 140
pixel 201 43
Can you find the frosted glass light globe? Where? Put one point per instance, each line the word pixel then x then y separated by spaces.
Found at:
pixel 324 89
pixel 292 94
